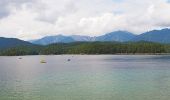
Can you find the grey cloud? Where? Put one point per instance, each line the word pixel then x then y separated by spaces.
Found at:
pixel 163 24
pixel 5 9
pixel 51 16
pixel 82 8
pixel 3 12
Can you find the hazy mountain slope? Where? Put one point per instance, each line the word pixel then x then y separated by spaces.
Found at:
pixel 53 39
pixel 120 36
pixel 160 36
pixel 12 42
pixel 81 38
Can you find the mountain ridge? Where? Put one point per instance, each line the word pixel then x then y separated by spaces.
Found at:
pixel 159 36
pixel 120 36
pixel 12 42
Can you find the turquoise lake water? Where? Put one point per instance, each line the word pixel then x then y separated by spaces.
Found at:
pixel 85 77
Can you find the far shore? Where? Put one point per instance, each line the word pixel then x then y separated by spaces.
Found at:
pixel 97 54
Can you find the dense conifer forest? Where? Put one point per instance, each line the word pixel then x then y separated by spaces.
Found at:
pixel 89 48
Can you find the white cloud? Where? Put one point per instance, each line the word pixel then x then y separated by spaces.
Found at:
pixel 30 19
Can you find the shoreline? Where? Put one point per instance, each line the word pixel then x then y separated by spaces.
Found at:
pixel 132 54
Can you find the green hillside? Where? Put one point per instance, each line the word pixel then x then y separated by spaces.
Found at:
pixel 89 48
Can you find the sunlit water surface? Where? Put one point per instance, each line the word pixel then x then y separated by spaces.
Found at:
pixel 85 77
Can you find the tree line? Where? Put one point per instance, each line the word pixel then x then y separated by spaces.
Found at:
pixel 89 48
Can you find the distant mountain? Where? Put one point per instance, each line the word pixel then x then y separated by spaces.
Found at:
pixel 12 42
pixel 81 38
pixel 119 36
pixel 159 36
pixel 53 39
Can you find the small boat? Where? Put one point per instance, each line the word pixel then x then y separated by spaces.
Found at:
pixel 43 61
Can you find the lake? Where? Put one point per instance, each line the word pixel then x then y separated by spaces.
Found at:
pixel 85 77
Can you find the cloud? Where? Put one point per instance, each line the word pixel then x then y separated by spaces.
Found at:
pixel 30 19
pixel 5 6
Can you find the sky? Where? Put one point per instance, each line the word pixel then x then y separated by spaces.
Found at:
pixel 33 19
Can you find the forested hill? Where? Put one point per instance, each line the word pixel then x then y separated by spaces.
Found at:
pixel 12 42
pixel 89 48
